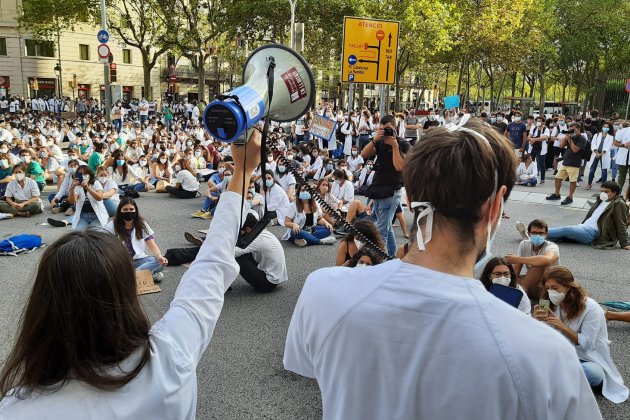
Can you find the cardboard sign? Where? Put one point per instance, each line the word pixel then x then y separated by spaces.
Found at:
pixel 322 127
pixel 144 283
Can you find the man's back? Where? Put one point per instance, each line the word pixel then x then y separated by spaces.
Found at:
pixel 399 341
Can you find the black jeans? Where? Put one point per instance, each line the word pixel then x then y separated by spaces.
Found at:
pixel 252 275
pixel 180 192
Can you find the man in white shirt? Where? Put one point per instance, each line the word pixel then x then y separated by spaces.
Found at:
pixel 143 109
pixel 419 338
pixel 622 141
pixel 21 197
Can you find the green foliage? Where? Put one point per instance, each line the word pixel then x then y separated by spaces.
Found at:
pixel 45 18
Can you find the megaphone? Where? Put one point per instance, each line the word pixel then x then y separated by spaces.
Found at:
pixel 292 84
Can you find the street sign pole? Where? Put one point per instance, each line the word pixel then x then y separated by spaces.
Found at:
pixel 106 83
pixel 382 106
pixel 627 106
pixel 350 96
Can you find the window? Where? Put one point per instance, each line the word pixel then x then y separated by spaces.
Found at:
pixel 3 46
pixel 84 52
pixel 40 48
pixel 127 56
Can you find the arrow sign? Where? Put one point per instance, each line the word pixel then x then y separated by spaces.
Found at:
pixel 102 36
pixel 368 61
pixel 103 51
pixel 389 43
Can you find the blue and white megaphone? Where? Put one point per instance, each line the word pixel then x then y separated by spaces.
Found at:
pixel 293 94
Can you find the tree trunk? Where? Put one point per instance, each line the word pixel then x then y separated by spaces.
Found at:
pixel 146 74
pixel 500 92
pixel 541 104
pixel 201 79
pixel 448 70
pixel 361 89
pixel 459 78
pixel 523 87
pixel 513 89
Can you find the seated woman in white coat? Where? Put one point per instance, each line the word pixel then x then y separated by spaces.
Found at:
pixel 86 193
pixel 601 146
pixel 134 232
pixel 110 190
pixel 499 271
pixel 342 188
pixel 276 198
pixel 526 171
pixel 306 222
pixel 583 322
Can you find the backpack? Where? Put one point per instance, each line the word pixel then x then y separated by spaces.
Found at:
pixel 338 134
pixel 586 153
pixel 179 256
pixel 17 244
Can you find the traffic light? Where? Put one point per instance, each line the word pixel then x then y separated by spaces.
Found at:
pixel 112 72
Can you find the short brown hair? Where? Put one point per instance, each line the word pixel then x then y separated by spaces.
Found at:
pixel 539 224
pixel 456 171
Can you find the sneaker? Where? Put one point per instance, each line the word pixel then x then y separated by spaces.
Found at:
pixel 541 182
pixel 69 212
pixel 132 193
pixel 204 231
pixel 566 201
pixel 206 215
pixel 300 242
pixel 157 277
pixel 57 223
pixel 56 210
pixel 341 231
pixel 522 229
pixel 193 239
pixel 273 222
pixel 328 240
pixel 198 214
pixel 23 214
pixel 553 197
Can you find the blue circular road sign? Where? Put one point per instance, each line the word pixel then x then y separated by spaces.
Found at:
pixel 102 36
pixel 352 60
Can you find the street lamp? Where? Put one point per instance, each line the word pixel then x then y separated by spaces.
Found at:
pixel 293 4
pixel 58 74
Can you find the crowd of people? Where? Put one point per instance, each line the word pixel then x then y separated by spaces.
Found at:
pixel 95 174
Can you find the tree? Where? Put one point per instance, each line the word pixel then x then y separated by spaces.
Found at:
pixel 45 19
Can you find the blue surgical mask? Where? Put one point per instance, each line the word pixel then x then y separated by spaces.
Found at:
pixel 330 166
pixel 281 169
pixel 605 129
pixel 305 195
pixel 269 183
pixel 537 240
pixel 120 162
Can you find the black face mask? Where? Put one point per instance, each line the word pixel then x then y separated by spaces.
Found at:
pixel 129 216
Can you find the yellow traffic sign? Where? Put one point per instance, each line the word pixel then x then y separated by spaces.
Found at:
pixel 370 49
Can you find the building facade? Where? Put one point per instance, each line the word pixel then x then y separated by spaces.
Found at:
pixel 27 66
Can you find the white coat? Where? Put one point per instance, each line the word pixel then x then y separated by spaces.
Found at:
pixel 608 144
pixel 347 129
pixel 98 206
pixel 278 201
pixel 139 245
pixel 299 218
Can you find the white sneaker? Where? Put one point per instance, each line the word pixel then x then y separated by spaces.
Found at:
pixel 522 229
pixel 328 240
pixel 300 242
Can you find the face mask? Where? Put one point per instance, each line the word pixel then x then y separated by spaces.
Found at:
pixel 178 168
pixel 143 163
pixel 330 166
pixel 517 119
pixel 269 158
pixel 102 179
pixel 173 151
pixel 189 143
pixel 370 167
pixel 281 169
pixel 617 127
pixel 561 123
pixel 269 183
pixel 128 216
pixel 556 297
pixel 26 159
pixel 305 195
pixel 503 281
pixel 493 120
pixel 155 156
pixel 221 170
pixel 4 163
pixel 43 155
pixel 51 143
pixel 197 154
pixel 4 150
pixel 72 170
pixel 354 152
pixel 289 157
pixel 163 160
pixel 227 178
pixel 603 196
pixel 538 123
pixel 358 243
pixel 605 129
pixel 360 264
pixel 537 240
pixel 20 176
pixel 120 162
pixel 86 178
pixel 499 119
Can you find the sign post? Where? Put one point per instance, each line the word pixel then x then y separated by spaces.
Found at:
pixel 370 50
pixel 627 90
pixel 103 37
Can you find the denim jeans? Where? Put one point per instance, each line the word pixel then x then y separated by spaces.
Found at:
pixel 613 164
pixel 111 206
pixel 143 119
pixel 594 373
pixel 577 233
pixel 138 187
pixel 117 125
pixel 87 220
pixel 209 205
pixel 529 181
pixel 540 163
pixel 148 263
pixel 312 238
pixel 591 173
pixel 385 209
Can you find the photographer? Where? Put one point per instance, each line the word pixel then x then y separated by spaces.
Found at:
pixel 385 189
pixel 85 337
pixel 575 144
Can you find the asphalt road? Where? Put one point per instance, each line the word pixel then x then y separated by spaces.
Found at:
pixel 241 374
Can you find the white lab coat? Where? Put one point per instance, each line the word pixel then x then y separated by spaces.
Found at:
pixel 346 129
pixel 139 245
pixel 278 201
pixel 299 218
pixel 268 253
pixel 167 384
pixel 98 206
pixel 608 144
pixel 401 341
pixel 592 332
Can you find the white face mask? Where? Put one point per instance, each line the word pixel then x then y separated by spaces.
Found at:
pixel 20 176
pixel 143 163
pixel 197 154
pixel 163 160
pixel 86 178
pixel 178 168
pixel 4 163
pixel 503 281
pixel 538 123
pixel 102 179
pixel 603 196
pixel 221 170
pixel 360 264
pixel 26 159
pixel 556 297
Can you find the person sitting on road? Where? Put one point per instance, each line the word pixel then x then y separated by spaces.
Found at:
pixel 499 271
pixel 186 185
pixel 134 232
pixel 286 180
pixel 161 169
pixel 32 168
pixel 342 188
pixel 536 253
pixel 605 224
pixel 306 222
pixel 582 321
pixel 123 175
pixel 59 200
pixel 363 258
pixel 21 198
pixel 526 172
pixel 349 245
pixel 143 172
pixel 6 171
pixel 213 194
pixel 277 200
pixel 111 198
pixel 323 189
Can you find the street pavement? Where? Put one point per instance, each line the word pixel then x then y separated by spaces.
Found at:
pixel 241 374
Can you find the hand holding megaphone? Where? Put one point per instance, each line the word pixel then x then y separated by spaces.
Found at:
pixel 272 71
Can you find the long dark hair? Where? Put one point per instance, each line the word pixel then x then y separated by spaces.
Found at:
pixel 116 154
pixel 86 170
pixel 300 205
pixel 82 317
pixel 119 223
pixel 487 271
pixel 368 229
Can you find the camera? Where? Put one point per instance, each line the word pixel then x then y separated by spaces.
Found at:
pixel 567 131
pixel 388 132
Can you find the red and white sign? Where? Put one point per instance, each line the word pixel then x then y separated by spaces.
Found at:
pixel 103 51
pixel 295 84
pixel 628 85
pixel 4 82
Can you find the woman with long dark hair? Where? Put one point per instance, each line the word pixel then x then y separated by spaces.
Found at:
pixel 499 271
pixel 134 232
pixel 306 222
pixel 86 350
pixel 583 322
